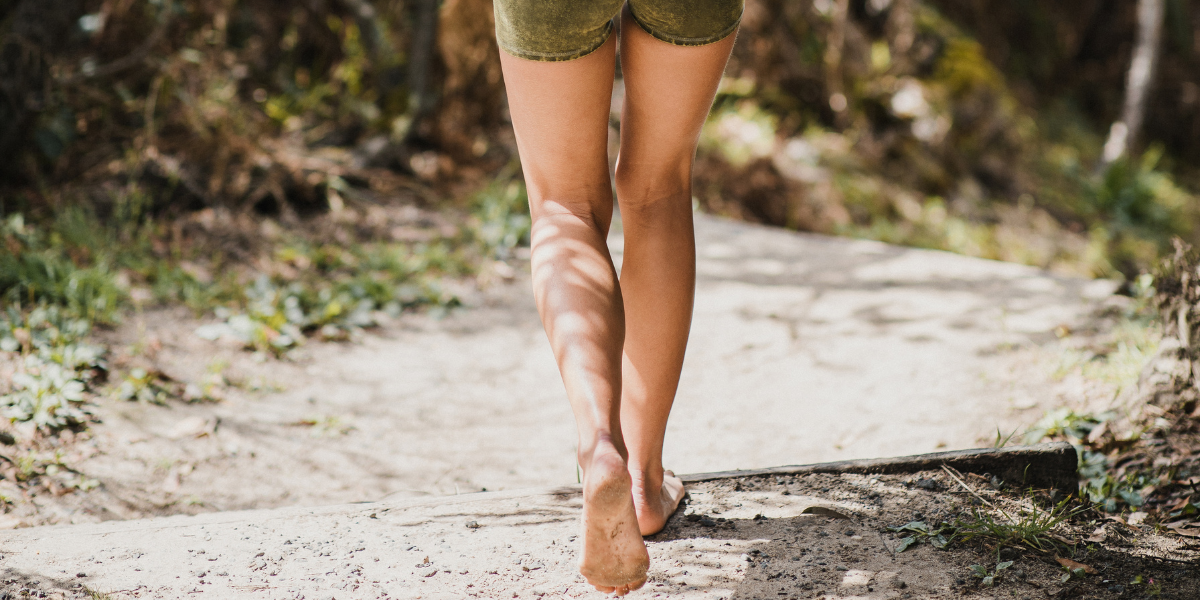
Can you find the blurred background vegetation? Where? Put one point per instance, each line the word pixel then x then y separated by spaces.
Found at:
pixel 972 126
pixel 297 167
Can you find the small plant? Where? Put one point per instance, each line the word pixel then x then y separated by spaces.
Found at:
pixel 1098 482
pixel 1031 528
pixel 989 578
pixel 1076 573
pixel 46 395
pixel 143 386
pixel 918 531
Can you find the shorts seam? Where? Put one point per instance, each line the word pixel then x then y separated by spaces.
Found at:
pixel 556 56
pixel 686 41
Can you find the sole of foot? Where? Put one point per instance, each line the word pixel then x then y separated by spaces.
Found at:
pixel 614 558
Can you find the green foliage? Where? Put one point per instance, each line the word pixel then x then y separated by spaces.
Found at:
pixel 57 269
pixel 337 293
pixel 1135 195
pixel 54 367
pixel 1064 423
pixel 142 386
pixel 937 149
pixel 46 395
pixel 1029 526
pixel 500 217
pixel 1098 483
pixel 1140 208
pixel 918 531
pixel 988 578
pixel 1073 573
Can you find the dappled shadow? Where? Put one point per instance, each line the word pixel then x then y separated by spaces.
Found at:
pixel 733 252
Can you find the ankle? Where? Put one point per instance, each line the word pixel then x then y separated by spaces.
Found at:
pixel 646 478
pixel 602 447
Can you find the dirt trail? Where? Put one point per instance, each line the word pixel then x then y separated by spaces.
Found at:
pixel 804 349
pixel 791 536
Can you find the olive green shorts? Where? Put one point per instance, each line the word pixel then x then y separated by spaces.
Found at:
pixel 554 30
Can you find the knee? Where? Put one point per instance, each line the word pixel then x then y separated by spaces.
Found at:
pixel 643 186
pixel 594 214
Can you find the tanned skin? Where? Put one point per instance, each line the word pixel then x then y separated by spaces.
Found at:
pixel 619 343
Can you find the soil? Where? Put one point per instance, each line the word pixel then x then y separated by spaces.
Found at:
pixel 806 536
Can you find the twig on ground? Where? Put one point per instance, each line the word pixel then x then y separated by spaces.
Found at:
pixel 950 471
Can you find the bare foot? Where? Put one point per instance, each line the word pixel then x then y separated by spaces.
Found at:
pixel 656 503
pixel 614 556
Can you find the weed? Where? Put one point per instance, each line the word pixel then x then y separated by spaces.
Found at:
pixel 988 578
pixel 97 595
pixel 1073 573
pixel 1099 484
pixel 143 386
pixel 1002 440
pixel 58 269
pixel 46 395
pixel 1029 527
pixel 917 531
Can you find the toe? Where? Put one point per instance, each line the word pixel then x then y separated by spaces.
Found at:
pixel 637 586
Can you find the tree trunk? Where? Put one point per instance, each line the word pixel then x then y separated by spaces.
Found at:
pixel 420 65
pixel 1123 137
pixel 35 30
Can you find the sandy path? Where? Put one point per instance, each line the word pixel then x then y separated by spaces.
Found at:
pixel 804 349
pixel 785 536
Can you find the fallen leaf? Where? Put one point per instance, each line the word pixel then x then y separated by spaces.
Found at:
pixel 823 511
pixel 1072 565
pixel 1098 536
pixel 1181 504
pixel 1136 518
pixel 1195 533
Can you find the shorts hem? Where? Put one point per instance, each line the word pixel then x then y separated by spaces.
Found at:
pixel 686 41
pixel 556 56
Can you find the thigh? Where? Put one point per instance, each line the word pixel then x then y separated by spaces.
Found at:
pixel 669 89
pixel 553 30
pixel 560 116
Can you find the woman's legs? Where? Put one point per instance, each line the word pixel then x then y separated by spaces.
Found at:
pixel 668 92
pixel 560 115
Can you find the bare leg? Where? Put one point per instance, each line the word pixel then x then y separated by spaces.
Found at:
pixel 560 114
pixel 668 92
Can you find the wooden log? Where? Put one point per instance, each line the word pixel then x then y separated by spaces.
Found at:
pixel 1046 466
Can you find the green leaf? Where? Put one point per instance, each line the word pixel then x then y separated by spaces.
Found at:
pixel 914 526
pixel 979 571
pixel 987 581
pixel 905 543
pixel 1004 565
